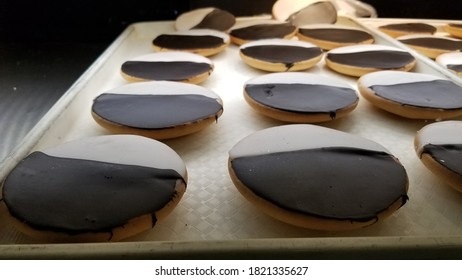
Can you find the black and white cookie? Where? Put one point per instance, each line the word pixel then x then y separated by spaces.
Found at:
pixel 159 110
pixel 103 188
pixel 318 178
pixel 454 29
pixel 330 36
pixel 302 12
pixel 205 18
pixel 205 42
pixel 439 147
pixel 261 29
pixel 412 95
pixel 407 28
pixel 431 46
pixel 451 61
pixel 280 55
pixel 300 97
pixel 168 66
pixel 362 59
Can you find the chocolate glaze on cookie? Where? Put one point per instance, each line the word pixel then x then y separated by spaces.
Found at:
pixel 157 105
pixel 191 40
pixel 377 59
pixel 339 35
pixel 439 43
pixel 94 184
pixel 452 61
pixel 455 67
pixel 205 18
pixel 263 31
pixel 410 27
pixel 319 172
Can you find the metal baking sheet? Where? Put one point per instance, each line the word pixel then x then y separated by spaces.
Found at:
pixel 213 218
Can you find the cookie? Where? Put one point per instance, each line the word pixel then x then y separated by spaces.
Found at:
pixel 329 36
pixel 103 188
pixel 158 110
pixel 205 18
pixel 300 97
pixel 318 178
pixel 304 12
pixel 431 46
pixel 261 29
pixel 439 147
pixel 454 29
pixel 168 66
pixel 407 28
pixel 362 59
pixel 280 55
pixel 451 61
pixel 204 42
pixel 412 95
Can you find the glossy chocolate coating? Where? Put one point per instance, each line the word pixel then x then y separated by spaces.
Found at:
pixel 302 98
pixel 384 59
pixel 334 182
pixel 411 27
pixel 263 31
pixel 456 25
pixel 439 94
pixel 455 67
pixel 448 155
pixel 186 42
pixel 336 35
pixel 155 111
pixel 434 43
pixel 217 20
pixel 281 54
pixel 75 195
pixel 165 70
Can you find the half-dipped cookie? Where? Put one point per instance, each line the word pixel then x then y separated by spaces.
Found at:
pixel 454 29
pixel 318 178
pixel 407 28
pixel 302 12
pixel 103 188
pixel 439 147
pixel 205 42
pixel 280 55
pixel 431 46
pixel 168 66
pixel 205 18
pixel 300 97
pixel 158 110
pixel 330 36
pixel 261 29
pixel 412 95
pixel 451 61
pixel 362 59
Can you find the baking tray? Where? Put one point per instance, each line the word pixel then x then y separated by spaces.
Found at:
pixel 213 220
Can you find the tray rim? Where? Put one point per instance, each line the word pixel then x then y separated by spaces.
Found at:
pixel 373 247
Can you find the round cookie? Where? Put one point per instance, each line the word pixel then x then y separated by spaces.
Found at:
pixel 362 59
pixel 318 178
pixel 451 61
pixel 261 29
pixel 204 42
pixel 205 18
pixel 329 36
pixel 300 97
pixel 439 147
pixel 454 29
pixel 431 46
pixel 302 12
pixel 408 28
pixel 168 66
pixel 103 188
pixel 280 55
pixel 412 95
pixel 158 110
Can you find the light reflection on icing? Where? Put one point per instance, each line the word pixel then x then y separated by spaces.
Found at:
pixel 440 133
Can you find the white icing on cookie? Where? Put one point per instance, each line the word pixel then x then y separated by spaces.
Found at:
pixel 255 22
pixel 296 78
pixel 163 88
pixel 385 78
pixel 121 149
pixel 364 48
pixel 192 18
pixel 278 42
pixel 301 12
pixel 298 137
pixel 449 58
pixel 172 56
pixel 202 32
pixel 440 133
